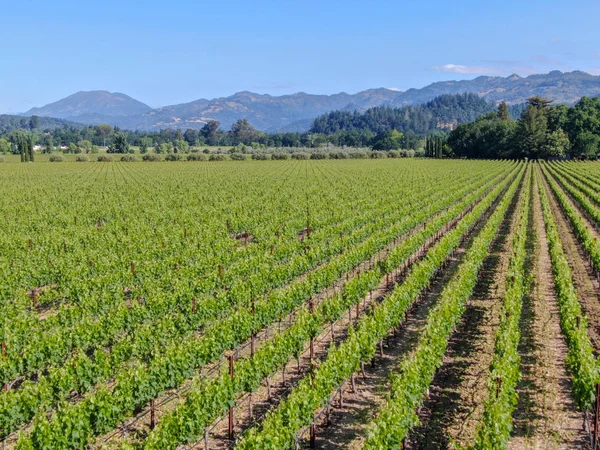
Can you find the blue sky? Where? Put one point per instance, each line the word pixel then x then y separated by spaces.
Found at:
pixel 172 52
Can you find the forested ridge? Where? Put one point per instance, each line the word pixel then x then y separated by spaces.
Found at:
pixel 443 112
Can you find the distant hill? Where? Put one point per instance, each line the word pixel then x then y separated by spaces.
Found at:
pixel 295 112
pixel 92 106
pixel 562 87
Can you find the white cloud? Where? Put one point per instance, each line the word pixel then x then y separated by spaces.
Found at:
pixel 394 89
pixel 466 70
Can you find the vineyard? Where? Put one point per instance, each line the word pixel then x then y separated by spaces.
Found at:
pixel 378 304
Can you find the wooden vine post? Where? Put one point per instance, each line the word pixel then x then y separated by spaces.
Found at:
pixel 231 407
pixel 596 416
pixel 152 415
pixel 253 336
pixel 311 308
pixel 5 387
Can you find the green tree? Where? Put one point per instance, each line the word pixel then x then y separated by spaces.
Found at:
pixel 503 113
pixel 557 144
pixel 145 143
pixel 5 146
pixel 387 140
pixel 119 144
pixel 47 143
pixel 34 122
pixel 103 131
pixel 73 148
pixel 191 137
pixel 25 146
pixel 533 127
pixel 85 146
pixel 209 132
pixel 163 148
pixel 586 145
pixel 181 146
pixel 243 132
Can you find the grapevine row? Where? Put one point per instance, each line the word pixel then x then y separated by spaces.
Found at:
pixel 415 374
pixel 135 386
pixel 496 426
pixel 279 427
pixel 185 424
pixel 580 358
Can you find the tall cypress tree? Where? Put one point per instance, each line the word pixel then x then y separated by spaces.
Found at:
pixel 503 113
pixel 30 147
pixel 22 148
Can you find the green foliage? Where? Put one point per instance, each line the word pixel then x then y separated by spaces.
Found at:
pixel 119 144
pixel 181 146
pixel 197 157
pixel 297 410
pixel 495 429
pixel 543 131
pixel 251 372
pixel 410 383
pixel 25 146
pixel 242 131
pixel 580 358
pixel 85 146
pixel 145 144
pixel 173 157
pixel 300 155
pixel 153 322
pixel 152 157
pixel 5 146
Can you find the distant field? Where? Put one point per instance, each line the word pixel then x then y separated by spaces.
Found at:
pixel 358 303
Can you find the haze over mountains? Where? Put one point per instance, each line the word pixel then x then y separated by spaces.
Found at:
pixel 295 112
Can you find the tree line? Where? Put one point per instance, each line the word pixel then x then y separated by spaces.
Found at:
pixel 543 131
pixel 461 125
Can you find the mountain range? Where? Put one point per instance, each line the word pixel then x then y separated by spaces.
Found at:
pixel 295 112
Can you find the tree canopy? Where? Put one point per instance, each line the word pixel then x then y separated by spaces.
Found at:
pixel 543 130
